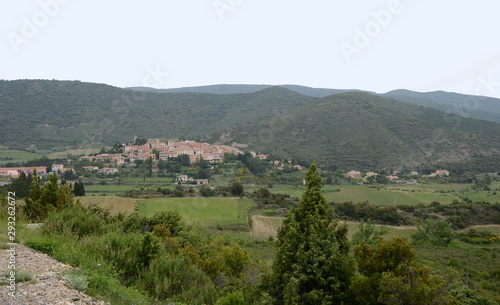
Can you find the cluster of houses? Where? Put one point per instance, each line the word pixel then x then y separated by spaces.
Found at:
pixel 155 149
pixel 281 165
pixel 394 176
pixel 60 169
pixel 15 172
pixel 185 178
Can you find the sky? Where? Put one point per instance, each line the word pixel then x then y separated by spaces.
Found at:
pixel 375 45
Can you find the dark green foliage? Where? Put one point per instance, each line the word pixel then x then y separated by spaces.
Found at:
pixel 207 191
pixel 178 191
pixel 79 189
pixel 436 233
pixel 75 220
pixel 42 246
pixel 265 197
pixel 474 236
pixel 42 201
pixel 21 185
pixel 141 224
pixel 176 277
pixel 236 189
pixel 255 165
pixel 171 219
pixel 363 211
pixel 459 214
pixel 312 263
pixel 69 175
pixel 389 274
pixel 234 298
pixel 368 233
pixel 466 296
pixel 148 250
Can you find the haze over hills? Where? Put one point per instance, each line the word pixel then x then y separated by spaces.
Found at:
pixel 235 89
pixel 479 107
pixel 348 129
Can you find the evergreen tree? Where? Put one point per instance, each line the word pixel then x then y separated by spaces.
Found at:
pixel 21 185
pixel 312 263
pixel 50 198
pixel 79 189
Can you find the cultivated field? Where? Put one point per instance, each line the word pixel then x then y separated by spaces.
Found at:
pixel 113 203
pixel 205 211
pixel 16 156
pixel 265 226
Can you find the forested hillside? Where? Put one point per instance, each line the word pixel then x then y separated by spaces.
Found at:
pixel 351 129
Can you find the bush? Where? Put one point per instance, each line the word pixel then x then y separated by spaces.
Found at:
pixel 120 250
pixel 234 298
pixel 21 276
pixel 177 278
pixel 46 247
pixel 76 220
pixel 436 233
pixel 76 281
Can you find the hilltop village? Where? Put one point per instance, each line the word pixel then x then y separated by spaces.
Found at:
pixel 157 150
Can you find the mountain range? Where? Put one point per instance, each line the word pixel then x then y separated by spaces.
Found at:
pixel 347 128
pixel 478 107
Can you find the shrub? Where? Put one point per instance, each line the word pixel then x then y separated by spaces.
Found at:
pixel 42 246
pixel 76 281
pixel 234 298
pixel 21 276
pixel 437 233
pixel 76 220
pixel 120 250
pixel 176 277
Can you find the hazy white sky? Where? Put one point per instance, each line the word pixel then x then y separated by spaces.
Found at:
pixel 376 45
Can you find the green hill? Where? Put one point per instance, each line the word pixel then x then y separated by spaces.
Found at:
pixel 353 129
pixel 64 114
pixel 359 130
pixel 478 107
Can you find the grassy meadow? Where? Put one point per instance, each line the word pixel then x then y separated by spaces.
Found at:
pixel 15 156
pixel 207 211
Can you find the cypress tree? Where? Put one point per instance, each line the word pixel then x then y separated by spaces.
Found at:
pixel 312 263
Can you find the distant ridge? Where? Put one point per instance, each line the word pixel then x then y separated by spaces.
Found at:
pixel 237 89
pixel 478 107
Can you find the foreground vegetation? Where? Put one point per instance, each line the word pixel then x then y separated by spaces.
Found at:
pixel 200 250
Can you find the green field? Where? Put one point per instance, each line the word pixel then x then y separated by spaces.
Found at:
pixel 16 156
pixel 205 211
pixel 106 189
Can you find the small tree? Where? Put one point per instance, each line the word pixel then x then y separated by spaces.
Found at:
pixel 21 185
pixel 368 233
pixel 237 189
pixel 79 189
pixel 436 233
pixel 312 263
pixel 389 274
pixel 42 201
